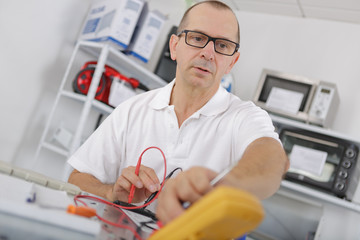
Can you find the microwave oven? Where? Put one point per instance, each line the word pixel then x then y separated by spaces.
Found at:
pixel 296 97
pixel 321 160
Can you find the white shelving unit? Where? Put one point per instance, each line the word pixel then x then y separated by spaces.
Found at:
pixel 105 53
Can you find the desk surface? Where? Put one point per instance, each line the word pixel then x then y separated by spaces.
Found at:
pixel 46 218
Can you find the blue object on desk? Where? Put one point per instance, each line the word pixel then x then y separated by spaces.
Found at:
pixel 242 238
pixel 31 195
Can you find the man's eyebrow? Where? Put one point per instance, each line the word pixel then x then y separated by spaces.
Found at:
pixel 222 37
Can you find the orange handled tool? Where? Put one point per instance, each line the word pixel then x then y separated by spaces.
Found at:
pixel 81 211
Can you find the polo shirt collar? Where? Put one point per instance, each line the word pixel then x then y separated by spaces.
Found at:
pixel 216 105
pixel 162 98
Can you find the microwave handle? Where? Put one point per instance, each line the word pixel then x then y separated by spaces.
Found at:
pixel 316 140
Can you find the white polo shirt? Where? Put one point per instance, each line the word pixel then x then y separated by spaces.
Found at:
pixel 214 136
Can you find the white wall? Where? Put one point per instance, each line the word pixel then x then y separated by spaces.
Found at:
pixel 37 38
pixel 318 49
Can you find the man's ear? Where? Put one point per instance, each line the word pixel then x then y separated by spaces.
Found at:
pixel 235 58
pixel 174 40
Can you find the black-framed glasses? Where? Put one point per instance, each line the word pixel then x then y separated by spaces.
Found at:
pixel 200 40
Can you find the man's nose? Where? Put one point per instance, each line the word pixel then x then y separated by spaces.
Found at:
pixel 208 52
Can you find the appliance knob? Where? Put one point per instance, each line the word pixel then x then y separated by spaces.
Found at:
pixel 343 174
pixel 340 186
pixel 346 164
pixel 350 153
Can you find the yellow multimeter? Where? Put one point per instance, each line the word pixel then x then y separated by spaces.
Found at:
pixel 224 213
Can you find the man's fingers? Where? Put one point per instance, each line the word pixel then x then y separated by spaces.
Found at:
pixel 169 205
pixel 194 185
pixel 123 183
pixel 185 189
pixel 188 186
pixel 200 180
pixel 148 182
pixel 149 179
pixel 151 173
pixel 129 174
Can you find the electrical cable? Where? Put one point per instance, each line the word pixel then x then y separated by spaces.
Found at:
pixel 137 169
pixel 98 122
pixel 129 206
pixel 146 224
pixel 142 210
pixel 77 199
pixel 167 177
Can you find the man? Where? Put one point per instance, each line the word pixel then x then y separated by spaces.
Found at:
pixel 199 126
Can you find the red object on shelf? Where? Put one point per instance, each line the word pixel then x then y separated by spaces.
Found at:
pixel 82 81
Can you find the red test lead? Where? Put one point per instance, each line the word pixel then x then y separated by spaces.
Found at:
pixel 131 194
pixel 137 170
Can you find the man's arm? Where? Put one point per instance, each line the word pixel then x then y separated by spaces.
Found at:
pixel 90 184
pixel 259 172
pixel 261 168
pixel 145 184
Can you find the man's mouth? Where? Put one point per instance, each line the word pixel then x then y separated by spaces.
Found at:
pixel 203 69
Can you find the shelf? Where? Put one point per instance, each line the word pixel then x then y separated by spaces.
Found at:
pixel 73 95
pixel 104 53
pixel 320 195
pixel 56 149
pixel 101 107
pixel 124 63
pixel 312 128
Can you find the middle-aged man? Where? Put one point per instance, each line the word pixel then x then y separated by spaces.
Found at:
pixel 200 127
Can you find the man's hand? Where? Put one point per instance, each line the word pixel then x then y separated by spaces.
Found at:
pixel 188 186
pixel 145 184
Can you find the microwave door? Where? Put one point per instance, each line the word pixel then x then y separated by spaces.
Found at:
pixel 314 162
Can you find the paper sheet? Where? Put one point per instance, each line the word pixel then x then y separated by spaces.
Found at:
pixel 284 100
pixel 307 159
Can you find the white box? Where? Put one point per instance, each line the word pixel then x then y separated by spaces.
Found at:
pixel 112 20
pixel 64 137
pixel 149 28
pixel 120 91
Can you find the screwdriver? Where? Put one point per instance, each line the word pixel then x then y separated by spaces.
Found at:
pixel 81 211
pixel 222 174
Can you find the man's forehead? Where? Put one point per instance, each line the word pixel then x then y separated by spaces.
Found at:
pixel 206 19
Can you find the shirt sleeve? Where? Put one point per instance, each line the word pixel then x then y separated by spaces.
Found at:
pixel 251 123
pixel 100 155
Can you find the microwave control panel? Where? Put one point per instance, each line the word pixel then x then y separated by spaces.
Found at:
pixel 324 103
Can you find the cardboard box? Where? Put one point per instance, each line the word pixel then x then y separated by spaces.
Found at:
pixel 147 33
pixel 112 20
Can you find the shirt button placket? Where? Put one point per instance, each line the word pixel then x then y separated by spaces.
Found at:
pixel 172 130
